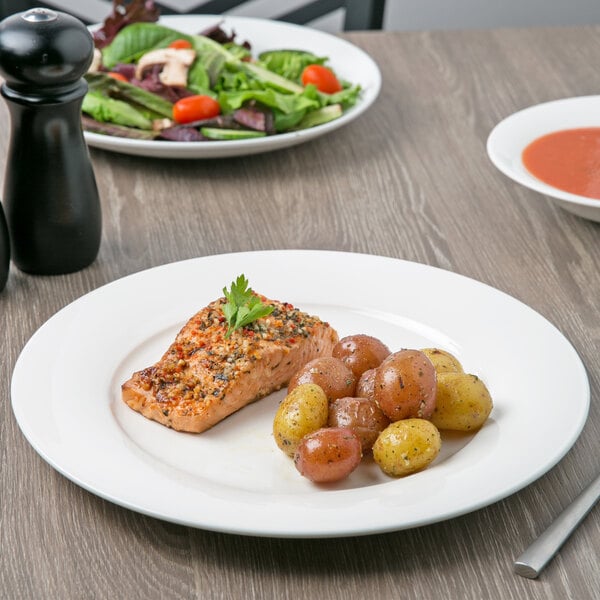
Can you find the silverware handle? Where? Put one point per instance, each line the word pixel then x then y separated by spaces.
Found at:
pixel 539 553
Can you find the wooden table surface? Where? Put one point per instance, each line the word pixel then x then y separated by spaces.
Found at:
pixel 409 179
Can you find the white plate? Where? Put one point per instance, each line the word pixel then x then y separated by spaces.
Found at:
pixel 66 396
pixel 348 61
pixel 511 136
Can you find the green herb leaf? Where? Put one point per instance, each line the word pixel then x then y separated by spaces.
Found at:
pixel 243 306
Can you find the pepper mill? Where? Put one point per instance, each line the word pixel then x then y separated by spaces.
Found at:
pixel 50 194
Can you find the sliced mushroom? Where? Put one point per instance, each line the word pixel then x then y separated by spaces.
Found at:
pixel 159 124
pixel 175 61
pixel 96 61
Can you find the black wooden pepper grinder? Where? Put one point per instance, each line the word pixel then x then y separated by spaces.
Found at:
pixel 50 194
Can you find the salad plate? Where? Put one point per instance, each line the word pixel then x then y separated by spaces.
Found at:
pixel 512 135
pixel 347 60
pixel 233 478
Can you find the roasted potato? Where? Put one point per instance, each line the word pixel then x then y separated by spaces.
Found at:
pixel 330 374
pixel 443 361
pixel 360 352
pixel 361 415
pixel 329 454
pixel 406 446
pixel 463 402
pixel 302 411
pixel 365 387
pixel 405 385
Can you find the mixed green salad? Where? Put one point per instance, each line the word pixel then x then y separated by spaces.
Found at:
pixel 148 81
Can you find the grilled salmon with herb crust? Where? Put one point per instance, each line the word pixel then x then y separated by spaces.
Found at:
pixel 205 376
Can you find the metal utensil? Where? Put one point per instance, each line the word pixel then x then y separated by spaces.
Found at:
pixel 531 563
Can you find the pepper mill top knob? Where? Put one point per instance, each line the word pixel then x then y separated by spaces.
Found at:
pixel 43 48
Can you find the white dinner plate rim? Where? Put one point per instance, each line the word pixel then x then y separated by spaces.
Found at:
pixel 522 176
pixel 234 148
pixel 39 437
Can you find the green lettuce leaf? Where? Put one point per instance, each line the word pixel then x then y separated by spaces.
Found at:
pixel 234 80
pixel 208 66
pixel 289 63
pixel 122 90
pixel 240 52
pixel 286 103
pixel 284 121
pixel 103 108
pixel 198 79
pixel 346 98
pixel 137 39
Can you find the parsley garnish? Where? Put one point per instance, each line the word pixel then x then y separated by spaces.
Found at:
pixel 242 306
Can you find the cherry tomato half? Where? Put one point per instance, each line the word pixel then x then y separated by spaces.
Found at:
pixel 180 44
pixel 195 108
pixel 322 77
pixel 118 76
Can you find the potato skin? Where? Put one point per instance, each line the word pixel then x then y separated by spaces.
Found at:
pixel 443 361
pixel 463 402
pixel 405 385
pixel 330 374
pixel 302 411
pixel 360 352
pixel 407 446
pixel 361 415
pixel 328 454
pixel 365 388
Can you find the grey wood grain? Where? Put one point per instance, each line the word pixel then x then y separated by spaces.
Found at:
pixel 409 179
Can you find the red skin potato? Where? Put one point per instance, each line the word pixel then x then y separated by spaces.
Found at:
pixel 330 374
pixel 365 388
pixel 361 415
pixel 328 454
pixel 360 352
pixel 406 385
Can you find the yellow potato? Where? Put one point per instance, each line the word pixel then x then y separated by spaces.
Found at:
pixel 304 410
pixel 463 402
pixel 443 361
pixel 406 446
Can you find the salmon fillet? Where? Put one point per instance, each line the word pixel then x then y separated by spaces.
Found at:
pixel 204 376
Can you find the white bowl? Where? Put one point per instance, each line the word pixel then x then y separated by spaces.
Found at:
pixel 511 136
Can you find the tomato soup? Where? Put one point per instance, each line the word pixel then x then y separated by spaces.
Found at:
pixel 568 160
